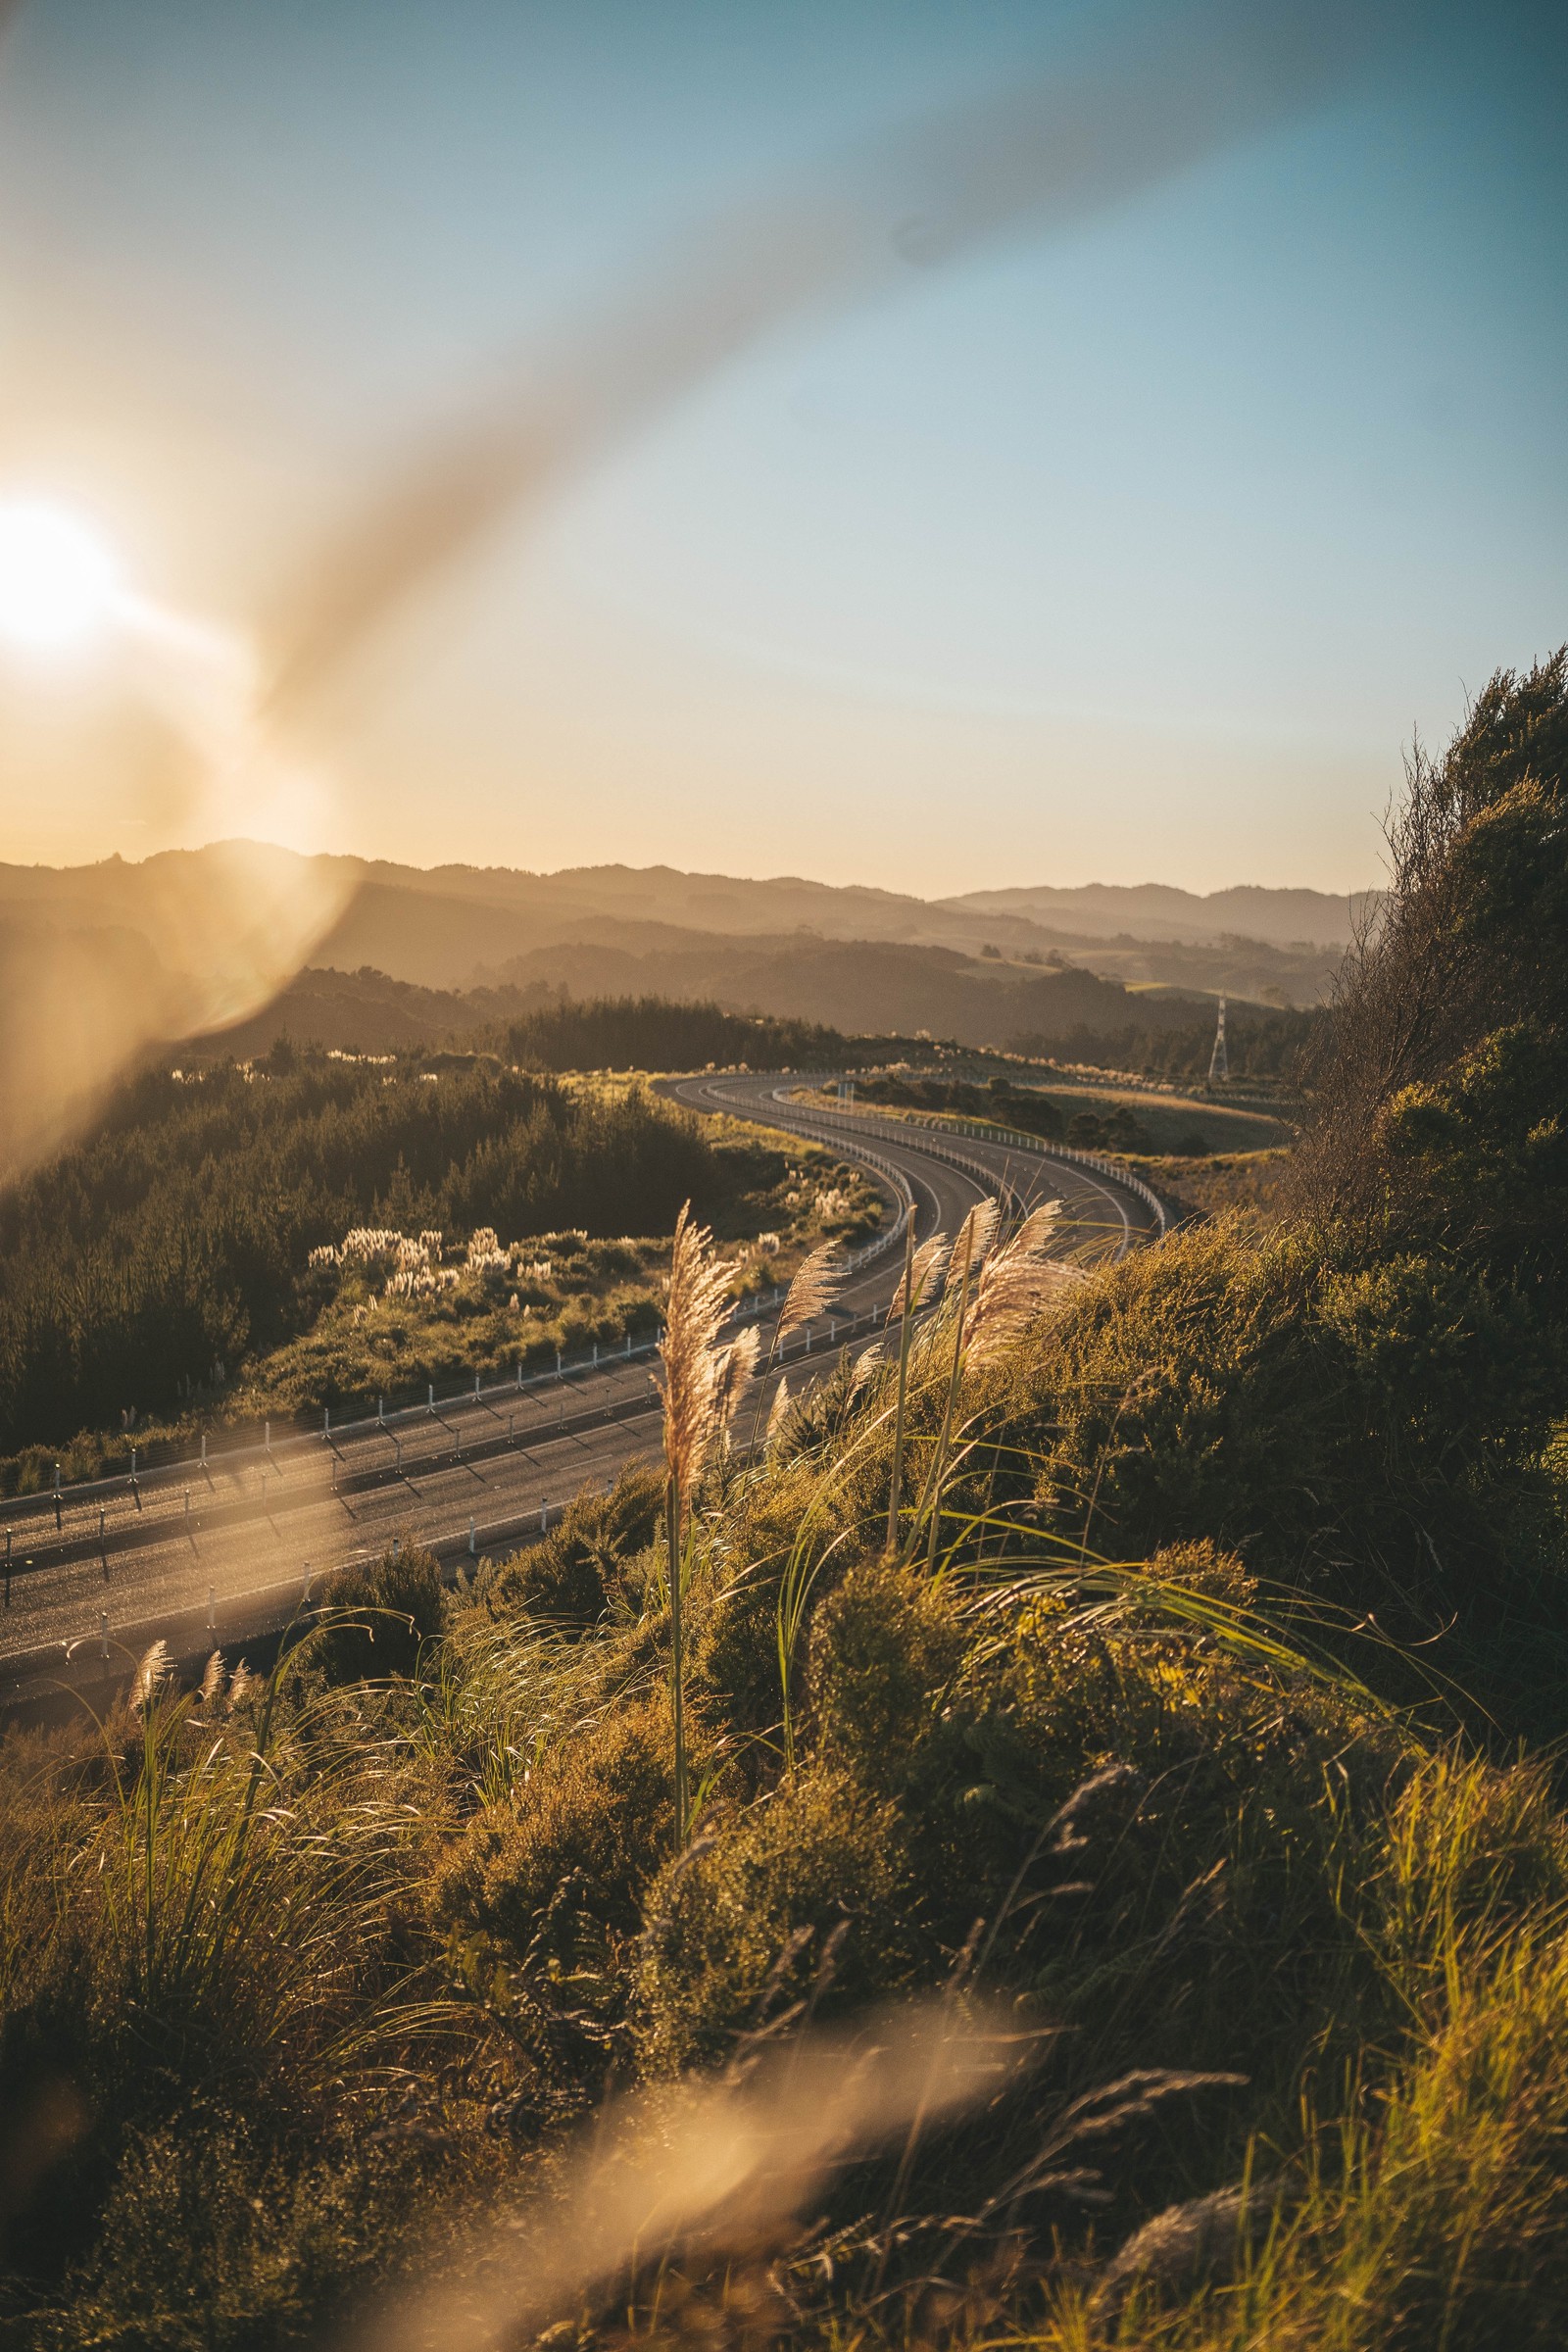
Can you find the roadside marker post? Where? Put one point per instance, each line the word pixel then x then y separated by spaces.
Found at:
pixel 474 1545
pixel 103 1632
pixel 211 1608
pixel 544 1514
pixel 429 1397
pixel 305 1581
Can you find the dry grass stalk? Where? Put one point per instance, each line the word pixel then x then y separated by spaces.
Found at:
pixel 693 1383
pixel 737 1369
pixel 816 1281
pixel 706 2166
pixel 155 1670
pixel 780 1407
pixel 1015 1283
pixel 923 1269
pixel 975 1237
pixel 689 1353
pixel 969 1263
pixel 814 1285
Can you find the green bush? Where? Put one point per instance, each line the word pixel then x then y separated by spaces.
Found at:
pixel 593 1822
pixel 381 1618
pixel 745 1923
pixel 585 1564
pixel 885 1652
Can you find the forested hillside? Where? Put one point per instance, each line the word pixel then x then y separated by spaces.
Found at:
pixel 651 1033
pixel 544 1028
pixel 169 1244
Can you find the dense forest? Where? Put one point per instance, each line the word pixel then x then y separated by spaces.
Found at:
pixel 554 1030
pixel 168 1244
pixel 655 1033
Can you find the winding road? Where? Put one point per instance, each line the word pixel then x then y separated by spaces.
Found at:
pixel 224 1550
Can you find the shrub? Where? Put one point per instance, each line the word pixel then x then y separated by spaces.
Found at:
pixel 382 1617
pixel 744 1922
pixel 884 1652
pixel 594 1821
pixel 584 1565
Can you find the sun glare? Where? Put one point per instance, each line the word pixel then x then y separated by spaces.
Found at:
pixel 58 581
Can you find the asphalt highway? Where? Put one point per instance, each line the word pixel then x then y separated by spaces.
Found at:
pixel 219 1553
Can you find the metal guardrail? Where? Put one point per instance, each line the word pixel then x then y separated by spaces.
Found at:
pixel 23 1511
pixel 987 1131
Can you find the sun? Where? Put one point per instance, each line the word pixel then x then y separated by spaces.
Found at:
pixel 58 584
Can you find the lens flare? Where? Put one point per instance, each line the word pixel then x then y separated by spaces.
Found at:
pixel 58 584
pixel 178 945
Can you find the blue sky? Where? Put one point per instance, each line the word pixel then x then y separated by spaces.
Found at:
pixel 1126 548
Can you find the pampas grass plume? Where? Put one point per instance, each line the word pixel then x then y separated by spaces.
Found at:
pixel 816 1281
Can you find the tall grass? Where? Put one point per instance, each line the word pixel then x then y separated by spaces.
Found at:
pixel 242 1879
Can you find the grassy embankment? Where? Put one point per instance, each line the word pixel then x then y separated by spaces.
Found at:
pixel 1182 1761
pixel 1084 1114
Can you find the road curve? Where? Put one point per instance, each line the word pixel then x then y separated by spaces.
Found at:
pixel 226 1551
pixel 950 1166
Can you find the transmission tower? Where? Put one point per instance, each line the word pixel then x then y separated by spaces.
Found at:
pixel 1219 1060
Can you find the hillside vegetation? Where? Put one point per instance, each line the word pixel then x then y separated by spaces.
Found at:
pixel 1065 1850
pixel 1102 1117
pixel 164 1262
pixel 791 1002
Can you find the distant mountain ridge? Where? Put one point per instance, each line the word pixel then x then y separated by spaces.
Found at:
pixel 138 950
pixel 466 916
pixel 1155 910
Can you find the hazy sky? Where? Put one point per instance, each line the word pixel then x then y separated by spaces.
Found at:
pixel 1129 547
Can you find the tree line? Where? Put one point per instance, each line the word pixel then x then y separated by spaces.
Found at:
pixel 658 1033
